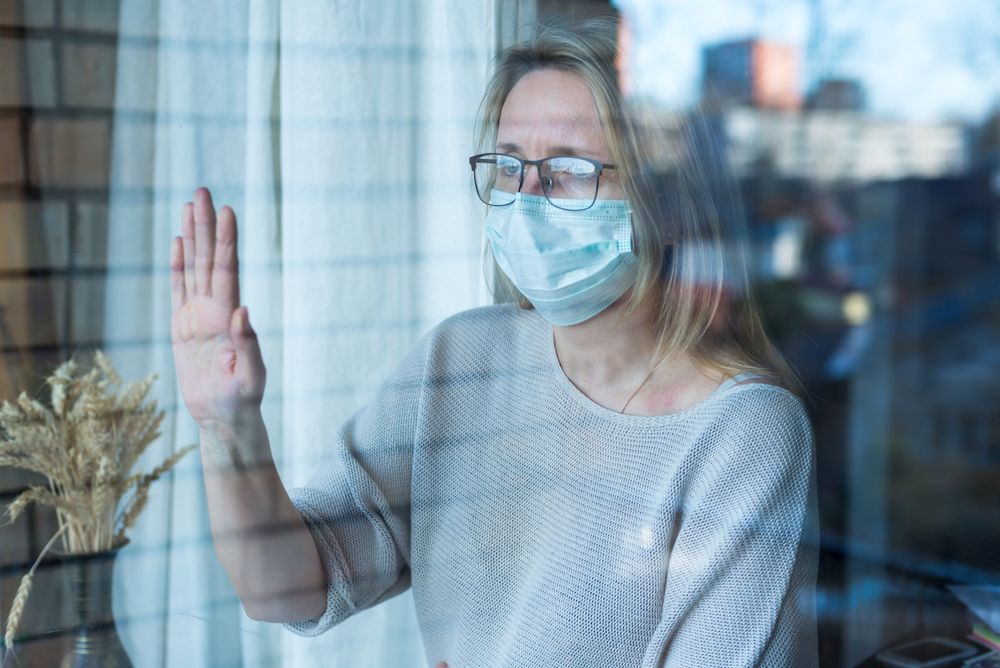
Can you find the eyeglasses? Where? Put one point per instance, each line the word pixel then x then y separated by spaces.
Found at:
pixel 569 183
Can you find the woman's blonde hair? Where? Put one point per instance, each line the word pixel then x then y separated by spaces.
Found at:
pixel 688 227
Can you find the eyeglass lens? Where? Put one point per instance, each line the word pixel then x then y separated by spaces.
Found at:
pixel 568 183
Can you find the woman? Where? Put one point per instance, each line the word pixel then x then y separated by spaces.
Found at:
pixel 609 471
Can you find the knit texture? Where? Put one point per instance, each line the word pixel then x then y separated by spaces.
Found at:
pixel 538 528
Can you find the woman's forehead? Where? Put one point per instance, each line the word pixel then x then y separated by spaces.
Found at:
pixel 552 108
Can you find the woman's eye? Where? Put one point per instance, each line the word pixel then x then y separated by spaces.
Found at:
pixel 572 167
pixel 508 167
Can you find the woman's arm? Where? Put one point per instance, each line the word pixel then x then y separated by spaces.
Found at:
pixel 313 556
pixel 260 537
pixel 741 574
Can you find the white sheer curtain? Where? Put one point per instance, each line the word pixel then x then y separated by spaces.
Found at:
pixel 338 131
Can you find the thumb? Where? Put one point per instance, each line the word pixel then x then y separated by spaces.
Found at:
pixel 244 337
pixel 240 330
pixel 251 370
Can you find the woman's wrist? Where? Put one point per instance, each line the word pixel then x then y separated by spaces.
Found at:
pixel 237 444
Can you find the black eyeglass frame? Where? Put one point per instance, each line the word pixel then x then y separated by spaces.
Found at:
pixel 546 187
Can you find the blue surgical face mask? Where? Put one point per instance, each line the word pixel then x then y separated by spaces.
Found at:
pixel 571 265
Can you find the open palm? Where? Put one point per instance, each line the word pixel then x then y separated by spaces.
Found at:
pixel 218 359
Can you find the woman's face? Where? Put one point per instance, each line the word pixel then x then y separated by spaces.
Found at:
pixel 550 113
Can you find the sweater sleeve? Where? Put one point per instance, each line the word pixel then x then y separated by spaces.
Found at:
pixel 358 506
pixel 740 581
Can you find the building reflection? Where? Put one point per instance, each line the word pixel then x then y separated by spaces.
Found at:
pixel 877 248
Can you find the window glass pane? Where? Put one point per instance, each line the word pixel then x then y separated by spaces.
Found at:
pixel 872 212
pixel 341 397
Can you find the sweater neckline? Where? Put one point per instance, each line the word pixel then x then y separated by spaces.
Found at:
pixel 569 390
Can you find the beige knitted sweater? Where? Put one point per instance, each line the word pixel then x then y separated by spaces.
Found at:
pixel 538 528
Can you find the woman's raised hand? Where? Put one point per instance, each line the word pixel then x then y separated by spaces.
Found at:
pixel 219 364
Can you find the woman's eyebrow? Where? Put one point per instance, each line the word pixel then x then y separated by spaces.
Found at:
pixel 555 150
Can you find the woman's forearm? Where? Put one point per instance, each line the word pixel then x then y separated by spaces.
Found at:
pixel 260 537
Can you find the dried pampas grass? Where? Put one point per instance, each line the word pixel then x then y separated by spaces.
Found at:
pixel 85 443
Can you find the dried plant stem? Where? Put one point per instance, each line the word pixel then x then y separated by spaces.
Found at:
pixel 131 511
pixel 17 608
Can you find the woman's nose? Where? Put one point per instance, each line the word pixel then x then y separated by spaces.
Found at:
pixel 532 183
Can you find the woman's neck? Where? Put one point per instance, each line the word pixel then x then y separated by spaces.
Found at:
pixel 607 350
pixel 612 360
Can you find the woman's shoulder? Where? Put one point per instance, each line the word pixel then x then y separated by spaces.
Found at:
pixel 499 332
pixel 759 401
pixel 759 417
pixel 482 324
pixel 756 432
pixel 485 317
pixel 477 340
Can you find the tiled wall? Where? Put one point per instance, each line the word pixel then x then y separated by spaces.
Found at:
pixel 57 93
pixel 57 66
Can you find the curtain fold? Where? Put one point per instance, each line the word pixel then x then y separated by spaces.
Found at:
pixel 338 131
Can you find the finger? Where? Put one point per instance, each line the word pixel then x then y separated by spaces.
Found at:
pixel 187 232
pixel 226 274
pixel 177 291
pixel 204 235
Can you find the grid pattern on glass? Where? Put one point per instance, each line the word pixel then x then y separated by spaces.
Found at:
pixel 568 182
